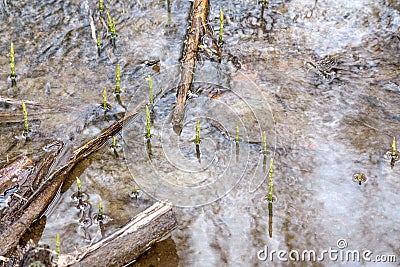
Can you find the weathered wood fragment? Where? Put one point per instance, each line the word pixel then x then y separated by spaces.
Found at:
pixel 127 243
pixel 196 32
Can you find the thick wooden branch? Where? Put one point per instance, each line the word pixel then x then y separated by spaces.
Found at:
pixel 126 244
pixel 197 30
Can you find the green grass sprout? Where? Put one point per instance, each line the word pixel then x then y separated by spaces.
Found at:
pixel 270 175
pixel 151 89
pixel 221 26
pixel 117 80
pixel 148 134
pixel 26 124
pixel 197 138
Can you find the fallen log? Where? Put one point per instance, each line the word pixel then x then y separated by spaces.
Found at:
pixel 18 217
pixel 197 30
pixel 126 244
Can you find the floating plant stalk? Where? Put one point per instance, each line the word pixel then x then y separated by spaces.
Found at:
pixel 360 178
pixel 117 80
pixel 58 245
pixel 237 132
pixel 101 6
pixel 136 192
pixel 197 138
pixel 114 142
pixel 270 175
pixel 221 26
pixel 26 124
pixel 113 30
pixel 79 185
pixel 104 98
pixel 394 148
pixel 148 134
pixel 151 89
pixel 264 143
pixel 100 215
pixel 98 45
pixel 12 63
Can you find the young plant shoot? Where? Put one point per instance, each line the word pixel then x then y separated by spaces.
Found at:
pixel 12 63
pixel 264 143
pixel 148 134
pixel 270 175
pixel 100 214
pixel 58 245
pixel 26 124
pixel 237 132
pixel 117 80
pixel 197 138
pixel 151 89
pixel 394 148
pixel 105 98
pixel 221 26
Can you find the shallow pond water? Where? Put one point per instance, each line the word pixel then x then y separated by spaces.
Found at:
pixel 320 78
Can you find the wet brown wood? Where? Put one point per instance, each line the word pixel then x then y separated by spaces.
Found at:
pixel 127 243
pixel 17 218
pixel 197 29
pixel 15 173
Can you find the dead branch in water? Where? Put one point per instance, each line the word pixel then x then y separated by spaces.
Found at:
pixel 197 30
pixel 127 243
pixel 17 218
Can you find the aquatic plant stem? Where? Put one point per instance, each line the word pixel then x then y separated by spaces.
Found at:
pixel 26 124
pixel 104 98
pixel 197 138
pixel 58 245
pixel 117 80
pixel 264 143
pixel 148 134
pixel 12 62
pixel 270 175
pixel 78 183
pixel 237 132
pixel 221 26
pixel 100 215
pixel 394 148
pixel 114 142
pixel 98 45
pixel 101 6
pixel 151 89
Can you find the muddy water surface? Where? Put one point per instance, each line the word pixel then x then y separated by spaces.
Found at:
pixel 321 78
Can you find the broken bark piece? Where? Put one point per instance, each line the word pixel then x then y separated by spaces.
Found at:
pixel 14 174
pixel 127 243
pixel 197 30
